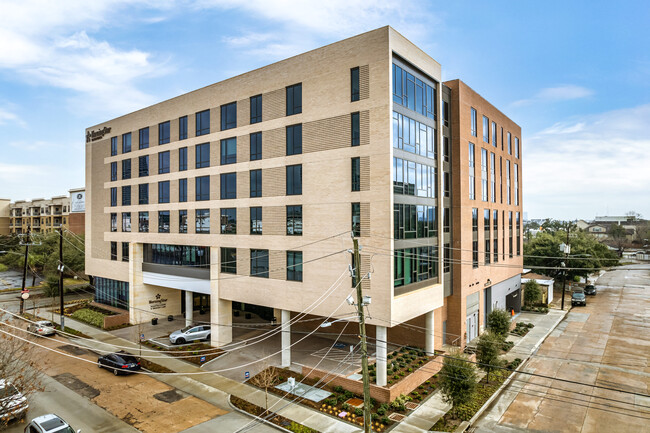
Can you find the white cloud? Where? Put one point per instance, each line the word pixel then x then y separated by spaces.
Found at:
pixel 8 117
pixel 554 94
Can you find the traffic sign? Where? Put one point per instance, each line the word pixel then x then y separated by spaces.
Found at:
pixel 141 337
pixel 247 375
pixel 202 359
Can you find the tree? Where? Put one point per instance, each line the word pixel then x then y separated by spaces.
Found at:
pixel 265 379
pixel 619 235
pixel 498 322
pixel 487 352
pixel 532 292
pixel 457 379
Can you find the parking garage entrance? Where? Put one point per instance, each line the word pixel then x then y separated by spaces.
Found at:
pixel 200 302
pixel 264 313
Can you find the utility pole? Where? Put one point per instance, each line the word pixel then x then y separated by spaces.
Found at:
pixel 61 278
pixel 567 249
pixel 362 332
pixel 22 291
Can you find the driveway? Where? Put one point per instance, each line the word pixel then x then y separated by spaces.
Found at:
pixel 606 343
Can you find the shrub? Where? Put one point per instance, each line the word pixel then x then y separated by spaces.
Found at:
pixel 374 416
pixel 381 411
pixel 338 389
pixel 499 322
pixel 457 380
pixel 400 402
pixel 89 316
pixel 532 293
pixel 358 411
pixel 340 398
pixel 345 407
pixel 331 401
pixel 385 420
pixel 299 428
pixel 410 370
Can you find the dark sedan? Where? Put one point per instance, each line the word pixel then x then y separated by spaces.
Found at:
pixel 590 289
pixel 119 362
pixel 578 298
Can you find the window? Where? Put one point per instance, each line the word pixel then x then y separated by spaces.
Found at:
pixel 143 193
pixel 125 251
pixel 516 167
pixel 510 251
pixel 356 219
pixel 126 169
pixel 509 144
pixel 202 184
pixel 446 220
pixel 446 266
pixel 202 155
pixel 294 265
pixel 182 221
pixel 415 264
pixel 486 129
pixel 294 99
pixel 294 139
pixel 113 250
pixel 354 84
pixel 228 186
pixel 473 120
pixel 113 222
pixel 356 174
pixel 495 229
pixel 474 220
pixel 474 254
pixel 413 93
pixel 163 132
pixel 126 195
pixel 256 109
pixel 508 191
pixel 182 128
pixel 446 179
pixel 494 134
pixel 126 221
pixel 256 146
pixel 202 221
pixel 113 146
pixel 229 260
pixel 486 231
pixel 446 151
pixel 143 166
pixel 294 220
pixel 516 147
pixel 163 221
pixel 493 187
pixel 114 196
pixel 412 221
pixel 411 178
pixel 182 159
pixel 518 222
pixel 143 222
pixel 163 162
pixel 203 122
pixel 260 263
pixel 182 190
pixel 355 128
pixel 484 171
pixel 126 142
pixel 228 151
pixel 163 191
pixel 413 136
pixel 143 141
pixel 256 220
pixel 445 113
pixel 256 183
pixel 294 179
pixel 228 221
pixel 472 186
pixel 113 171
pixel 229 116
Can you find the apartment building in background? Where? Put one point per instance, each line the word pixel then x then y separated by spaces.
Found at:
pixel 47 215
pixel 5 211
pixel 244 195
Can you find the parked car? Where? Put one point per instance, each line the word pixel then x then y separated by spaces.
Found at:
pixel 190 333
pixel 578 298
pixel 590 289
pixel 49 423
pixel 119 362
pixel 13 405
pixel 42 328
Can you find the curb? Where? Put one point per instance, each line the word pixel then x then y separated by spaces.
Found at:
pixel 257 419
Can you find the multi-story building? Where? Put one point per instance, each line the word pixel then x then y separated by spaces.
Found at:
pixel 246 192
pixel 47 215
pixel 5 211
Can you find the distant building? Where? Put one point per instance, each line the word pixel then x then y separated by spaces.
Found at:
pixel 47 215
pixel 5 211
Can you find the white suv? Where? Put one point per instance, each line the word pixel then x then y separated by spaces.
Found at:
pixel 49 423
pixel 190 333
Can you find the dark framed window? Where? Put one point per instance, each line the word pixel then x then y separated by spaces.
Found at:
pixel 202 188
pixel 294 265
pixel 486 129
pixel 126 142
pixel 355 129
pixel 203 122
pixel 143 222
pixel 182 128
pixel 126 169
pixel 445 113
pixel 229 116
pixel 202 155
pixel 228 185
pixel 143 193
pixel 356 219
pixel 182 159
pixel 143 166
pixel 294 99
pixel 446 182
pixel 256 183
pixel 473 121
pixel 163 191
pixel 126 195
pixel 113 171
pixel 143 139
pixel 474 254
pixel 202 221
pixel 126 221
pixel 113 222
pixel 113 250
pixel 228 221
pixel 182 190
pixel 163 221
pixel 256 146
pixel 182 221
pixel 356 174
pixel 260 263
pixel 256 220
pixel 114 196
pixel 446 264
pixel 446 151
pixel 294 179
pixel 125 251
pixel 354 84
pixel 229 260
pixel 256 109
pixel 113 146
pixel 163 132
pixel 294 139
pixel 294 220
pixel 163 162
pixel 228 151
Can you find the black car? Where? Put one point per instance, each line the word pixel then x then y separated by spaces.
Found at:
pixel 578 298
pixel 590 289
pixel 119 362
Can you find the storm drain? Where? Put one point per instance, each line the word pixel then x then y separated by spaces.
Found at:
pixel 78 351
pixel 397 417
pixel 170 396
pixel 80 387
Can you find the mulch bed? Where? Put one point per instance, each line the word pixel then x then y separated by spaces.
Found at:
pixel 192 353
pixel 271 417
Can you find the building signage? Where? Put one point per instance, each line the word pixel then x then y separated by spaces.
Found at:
pixel 97 135
pixel 78 201
pixel 158 303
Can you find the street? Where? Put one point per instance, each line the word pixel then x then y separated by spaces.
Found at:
pixel 606 344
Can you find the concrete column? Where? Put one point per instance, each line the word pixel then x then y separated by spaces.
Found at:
pixel 136 285
pixel 382 338
pixel 189 308
pixel 429 335
pixel 220 309
pixel 286 338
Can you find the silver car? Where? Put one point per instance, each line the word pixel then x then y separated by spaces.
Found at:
pixel 49 423
pixel 42 328
pixel 12 403
pixel 190 333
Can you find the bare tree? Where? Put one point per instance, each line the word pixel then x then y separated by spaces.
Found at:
pixel 265 379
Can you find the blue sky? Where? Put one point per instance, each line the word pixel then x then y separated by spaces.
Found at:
pixel 575 75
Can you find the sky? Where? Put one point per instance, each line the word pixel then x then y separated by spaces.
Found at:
pixel 575 75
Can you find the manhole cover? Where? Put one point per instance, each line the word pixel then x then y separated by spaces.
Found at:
pixel 77 385
pixel 397 417
pixel 170 396
pixel 411 406
pixel 355 402
pixel 73 349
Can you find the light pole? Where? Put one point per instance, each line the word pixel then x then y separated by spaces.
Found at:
pixel 566 248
